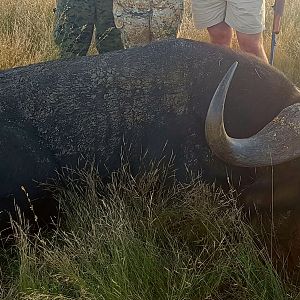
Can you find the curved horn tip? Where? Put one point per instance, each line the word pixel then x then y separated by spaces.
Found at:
pixel 215 132
pixel 225 82
pixel 232 69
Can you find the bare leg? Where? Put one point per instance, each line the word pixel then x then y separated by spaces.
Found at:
pixel 220 34
pixel 253 44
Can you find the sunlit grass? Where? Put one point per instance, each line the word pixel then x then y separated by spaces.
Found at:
pixel 26 34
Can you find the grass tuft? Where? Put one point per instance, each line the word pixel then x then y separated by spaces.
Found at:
pixel 145 236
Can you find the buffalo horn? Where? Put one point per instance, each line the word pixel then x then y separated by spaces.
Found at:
pixel 276 143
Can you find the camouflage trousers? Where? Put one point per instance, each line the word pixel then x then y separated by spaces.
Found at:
pixel 75 21
pixel 143 21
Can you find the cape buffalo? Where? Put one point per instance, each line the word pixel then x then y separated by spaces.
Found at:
pixel 154 97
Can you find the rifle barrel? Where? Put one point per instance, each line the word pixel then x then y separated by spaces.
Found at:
pixel 278 13
pixel 279 7
pixel 273 46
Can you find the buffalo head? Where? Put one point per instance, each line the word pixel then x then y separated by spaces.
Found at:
pixel 274 150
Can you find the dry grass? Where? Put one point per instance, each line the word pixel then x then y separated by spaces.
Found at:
pixel 26 34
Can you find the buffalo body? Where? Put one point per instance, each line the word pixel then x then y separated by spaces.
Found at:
pixel 153 98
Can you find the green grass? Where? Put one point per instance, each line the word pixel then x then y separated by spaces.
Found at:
pixel 142 237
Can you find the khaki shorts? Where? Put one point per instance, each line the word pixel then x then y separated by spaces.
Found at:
pixel 245 16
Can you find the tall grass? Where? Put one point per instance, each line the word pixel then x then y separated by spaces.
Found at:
pixel 142 237
pixel 26 34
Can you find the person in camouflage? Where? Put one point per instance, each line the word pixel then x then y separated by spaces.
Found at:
pixel 74 26
pixel 143 21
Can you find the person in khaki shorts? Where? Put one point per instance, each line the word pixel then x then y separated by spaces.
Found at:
pixel 221 17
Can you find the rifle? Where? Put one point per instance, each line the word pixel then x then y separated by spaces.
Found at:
pixel 278 13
